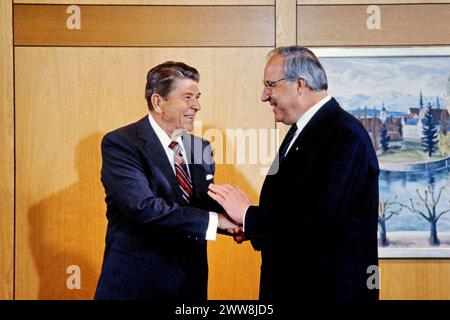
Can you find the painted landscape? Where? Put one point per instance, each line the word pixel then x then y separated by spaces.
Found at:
pixel 404 104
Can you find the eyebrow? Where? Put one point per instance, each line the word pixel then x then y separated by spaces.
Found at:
pixel 189 93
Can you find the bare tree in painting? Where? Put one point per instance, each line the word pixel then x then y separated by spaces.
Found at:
pixel 429 211
pixel 385 212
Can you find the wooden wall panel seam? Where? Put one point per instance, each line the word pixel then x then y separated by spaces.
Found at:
pixel 365 5
pixel 367 2
pixel 7 153
pixel 14 142
pixel 136 47
pixel 149 3
pixel 146 5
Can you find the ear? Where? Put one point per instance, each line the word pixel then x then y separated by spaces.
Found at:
pixel 156 100
pixel 301 85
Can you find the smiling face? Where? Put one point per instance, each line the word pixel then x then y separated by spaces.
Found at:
pixel 178 109
pixel 284 97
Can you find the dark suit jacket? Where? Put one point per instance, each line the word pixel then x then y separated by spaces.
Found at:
pixel 316 223
pixel 155 247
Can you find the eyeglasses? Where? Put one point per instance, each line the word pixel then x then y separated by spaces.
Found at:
pixel 269 85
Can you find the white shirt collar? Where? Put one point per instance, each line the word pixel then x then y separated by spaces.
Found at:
pixel 161 134
pixel 165 141
pixel 306 117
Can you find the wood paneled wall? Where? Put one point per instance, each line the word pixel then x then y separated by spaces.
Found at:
pixel 72 86
pixel 6 152
pixel 415 279
pixel 79 96
pixel 344 25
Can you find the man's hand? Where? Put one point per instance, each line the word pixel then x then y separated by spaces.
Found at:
pixel 225 223
pixel 238 235
pixel 232 199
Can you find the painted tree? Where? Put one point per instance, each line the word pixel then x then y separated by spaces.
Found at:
pixel 429 133
pixel 443 122
pixel 384 139
pixel 386 212
pixel 444 139
pixel 429 211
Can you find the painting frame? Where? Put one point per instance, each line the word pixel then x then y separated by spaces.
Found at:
pixel 398 52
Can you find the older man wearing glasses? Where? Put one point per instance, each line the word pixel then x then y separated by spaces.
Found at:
pixel 316 222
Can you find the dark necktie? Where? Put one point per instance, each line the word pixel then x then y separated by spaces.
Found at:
pixel 287 141
pixel 181 172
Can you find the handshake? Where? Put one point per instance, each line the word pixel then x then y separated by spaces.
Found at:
pixel 235 202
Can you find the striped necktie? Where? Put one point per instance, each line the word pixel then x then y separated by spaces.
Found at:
pixel 181 171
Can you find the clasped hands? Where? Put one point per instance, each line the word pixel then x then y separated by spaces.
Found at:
pixel 235 202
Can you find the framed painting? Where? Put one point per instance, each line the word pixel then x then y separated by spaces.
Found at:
pixel 401 95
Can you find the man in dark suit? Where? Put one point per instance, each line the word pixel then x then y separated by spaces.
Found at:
pixel 156 178
pixel 316 223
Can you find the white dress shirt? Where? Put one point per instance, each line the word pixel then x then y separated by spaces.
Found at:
pixel 165 140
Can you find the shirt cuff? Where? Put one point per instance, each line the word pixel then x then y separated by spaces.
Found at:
pixel 243 220
pixel 211 232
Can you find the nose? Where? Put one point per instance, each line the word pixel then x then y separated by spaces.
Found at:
pixel 265 95
pixel 195 105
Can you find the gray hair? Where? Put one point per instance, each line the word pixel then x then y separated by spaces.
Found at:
pixel 300 62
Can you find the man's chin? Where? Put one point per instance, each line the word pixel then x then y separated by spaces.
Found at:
pixel 178 133
pixel 187 127
pixel 278 118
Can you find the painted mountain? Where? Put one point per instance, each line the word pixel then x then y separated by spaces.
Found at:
pixel 360 82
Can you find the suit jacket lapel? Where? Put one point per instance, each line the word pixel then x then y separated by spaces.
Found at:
pixel 313 127
pixel 305 139
pixel 157 155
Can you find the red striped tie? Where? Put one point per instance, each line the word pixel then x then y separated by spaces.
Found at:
pixel 181 172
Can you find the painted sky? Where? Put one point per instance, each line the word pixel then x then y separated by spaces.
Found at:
pixel 376 76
